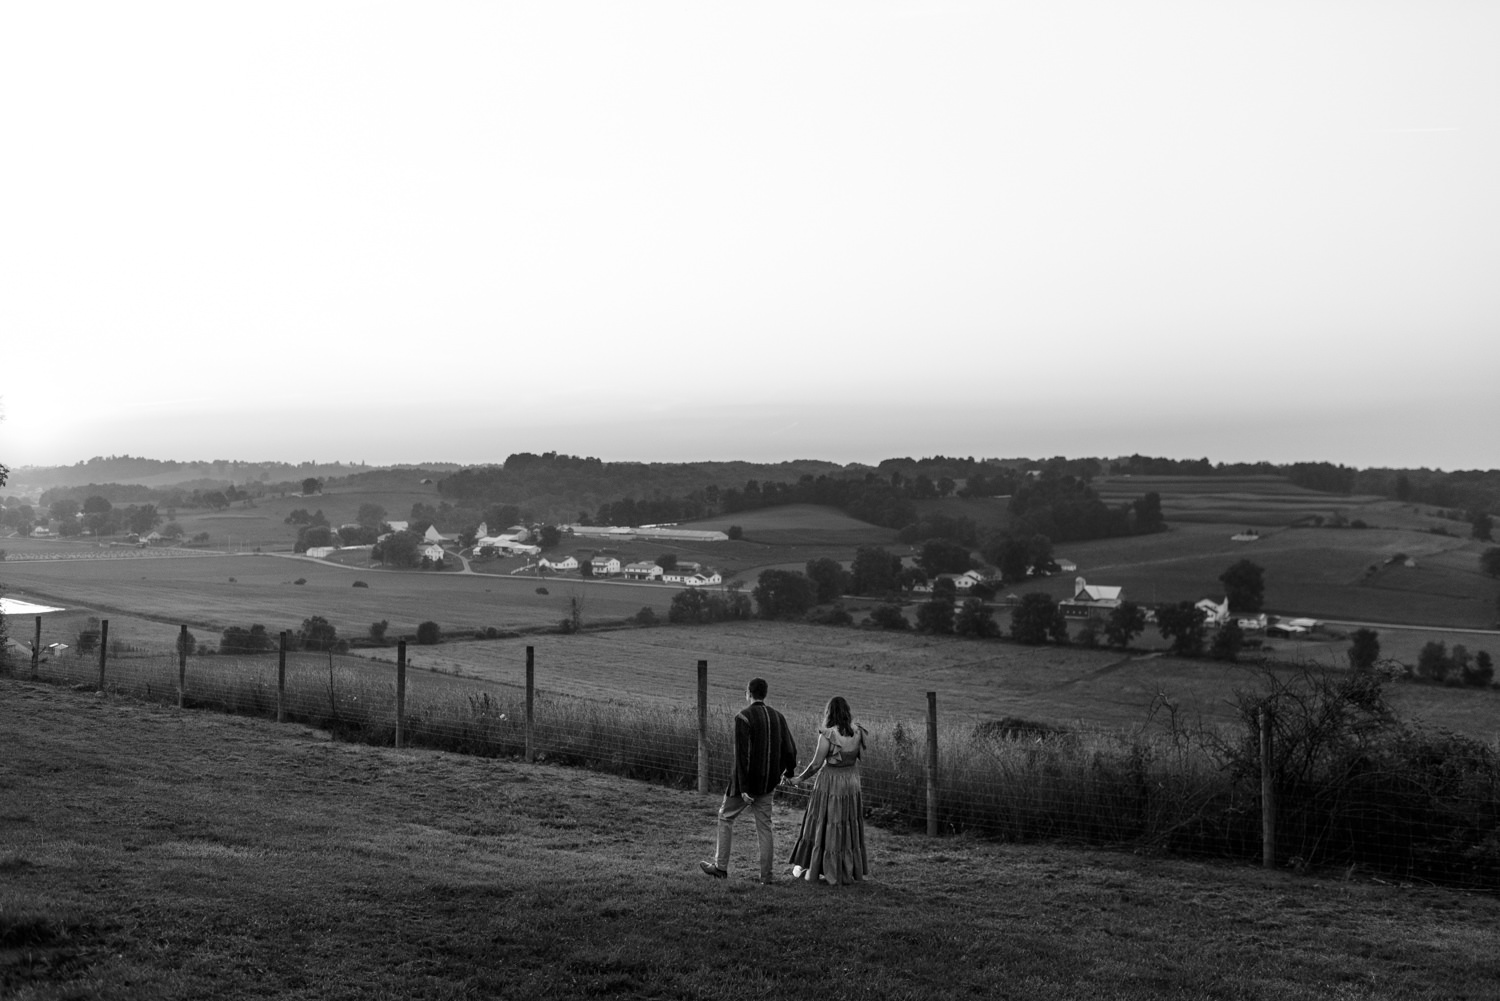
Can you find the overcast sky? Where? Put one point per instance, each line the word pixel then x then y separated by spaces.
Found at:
pixel 675 231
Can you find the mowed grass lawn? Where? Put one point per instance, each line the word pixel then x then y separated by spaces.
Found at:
pixel 154 854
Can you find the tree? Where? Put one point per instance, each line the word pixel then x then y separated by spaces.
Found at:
pixel 784 594
pixel 1038 618
pixel 1433 663
pixel 216 500
pixel 399 549
pixel 1185 625
pixel 172 530
pixel 317 633
pixel 96 511
pixel 889 617
pixel 1229 640
pixel 941 556
pixel 311 485
pixel 936 616
pixel 667 561
pixel 551 537
pixel 1489 561
pixel 975 619
pixel 829 578
pixel 141 520
pixel 735 532
pixel 1364 649
pixel 1244 586
pixel 371 515
pixel 429 634
pixel 874 571
pixel 1481 526
pixel 187 643
pixel 312 537
pixel 1126 621
pixel 377 631
pixel 1482 673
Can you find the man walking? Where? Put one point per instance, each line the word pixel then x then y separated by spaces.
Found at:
pixel 764 752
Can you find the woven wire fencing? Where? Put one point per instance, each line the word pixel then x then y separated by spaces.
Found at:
pixel 1318 776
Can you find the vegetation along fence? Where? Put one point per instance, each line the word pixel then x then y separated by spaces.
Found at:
pixel 1318 774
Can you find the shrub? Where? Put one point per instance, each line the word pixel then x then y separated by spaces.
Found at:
pixel 300 580
pixel 429 633
pixel 832 615
pixel 645 617
pixel 360 583
pixel 542 590
pixel 888 616
pixel 735 532
pixel 1356 786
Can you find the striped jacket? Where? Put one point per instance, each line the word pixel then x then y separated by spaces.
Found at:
pixel 764 751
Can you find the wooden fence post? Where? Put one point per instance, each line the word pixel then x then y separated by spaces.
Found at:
pixel 36 647
pixel 1267 792
pixel 702 726
pixel 932 765
pixel 103 650
pixel 530 701
pixel 281 680
pixel 182 641
pixel 400 692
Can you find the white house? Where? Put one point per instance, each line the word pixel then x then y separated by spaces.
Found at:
pixel 1215 613
pixel 642 571
pixel 433 553
pixel 692 578
pixel 566 563
pixel 605 566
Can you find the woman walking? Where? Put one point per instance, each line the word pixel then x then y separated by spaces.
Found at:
pixel 831 845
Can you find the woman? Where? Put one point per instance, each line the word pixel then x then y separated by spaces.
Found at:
pixel 831 845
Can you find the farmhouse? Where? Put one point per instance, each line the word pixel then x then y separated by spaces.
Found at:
pixel 566 563
pixel 692 578
pixel 1215 613
pixel 433 553
pixel 644 570
pixel 605 566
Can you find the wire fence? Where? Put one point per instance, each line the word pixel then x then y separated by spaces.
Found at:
pixel 1320 773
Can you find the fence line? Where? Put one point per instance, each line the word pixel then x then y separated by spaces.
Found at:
pixel 1244 793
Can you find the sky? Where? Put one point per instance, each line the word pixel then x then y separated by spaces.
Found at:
pixel 685 231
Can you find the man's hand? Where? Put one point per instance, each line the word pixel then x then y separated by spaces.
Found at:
pixel 747 797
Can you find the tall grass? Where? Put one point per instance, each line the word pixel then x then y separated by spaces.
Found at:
pixel 1356 786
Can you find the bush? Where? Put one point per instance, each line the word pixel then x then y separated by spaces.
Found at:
pixel 542 590
pixel 429 633
pixel 735 532
pixel 645 617
pixel 888 617
pixel 360 583
pixel 300 580
pixel 832 615
pixel 1356 786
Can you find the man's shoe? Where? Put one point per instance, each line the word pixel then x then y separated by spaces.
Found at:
pixel 713 870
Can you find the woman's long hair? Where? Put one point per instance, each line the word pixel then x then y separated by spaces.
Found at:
pixel 837 714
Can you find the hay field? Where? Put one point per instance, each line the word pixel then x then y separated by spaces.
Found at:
pixel 218 591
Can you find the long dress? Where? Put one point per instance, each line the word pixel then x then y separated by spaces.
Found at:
pixel 832 840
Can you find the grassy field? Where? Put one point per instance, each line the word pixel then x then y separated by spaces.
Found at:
pixel 156 854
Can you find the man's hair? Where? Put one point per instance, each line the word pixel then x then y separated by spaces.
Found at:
pixel 756 688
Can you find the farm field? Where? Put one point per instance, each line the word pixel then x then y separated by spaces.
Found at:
pixel 225 857
pixel 215 592
pixel 887 675
pixel 1316 572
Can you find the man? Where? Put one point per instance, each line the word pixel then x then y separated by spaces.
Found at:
pixel 764 752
